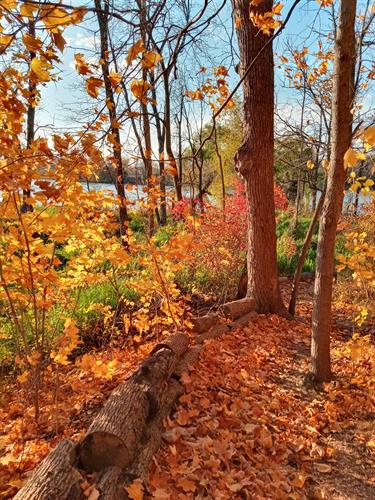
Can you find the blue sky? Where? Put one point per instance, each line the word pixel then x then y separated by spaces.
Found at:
pixel 307 19
pixel 59 95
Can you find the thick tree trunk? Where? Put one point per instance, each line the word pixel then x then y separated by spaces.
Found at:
pixel 254 159
pixel 342 102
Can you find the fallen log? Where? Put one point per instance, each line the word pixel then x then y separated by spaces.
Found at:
pixel 55 478
pixel 113 482
pixel 243 320
pixel 203 323
pixel 189 358
pixel 114 436
pixel 124 436
pixel 238 308
pixel 215 331
pixel 154 433
pixel 110 484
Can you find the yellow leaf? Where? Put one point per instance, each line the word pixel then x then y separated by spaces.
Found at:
pixel 40 68
pixel 8 4
pixel 135 490
pixel 31 43
pixel 70 328
pixel 139 89
pixel 310 165
pixel 5 42
pixel 277 8
pixel 134 51
pixel 150 59
pixel 23 377
pixel 351 158
pixel 34 358
pixel 78 14
pixel 58 40
pixel 87 362
pixel 92 86
pixel 82 66
pixel 325 164
pixel 369 137
pixel 115 79
pixel 28 10
pixel 53 16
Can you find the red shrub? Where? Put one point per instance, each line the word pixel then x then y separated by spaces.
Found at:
pixel 222 234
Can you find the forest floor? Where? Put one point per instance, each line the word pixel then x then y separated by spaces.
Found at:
pixel 246 427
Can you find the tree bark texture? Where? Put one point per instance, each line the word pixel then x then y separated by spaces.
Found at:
pixel 55 478
pixel 254 159
pixel 341 136
pixel 113 437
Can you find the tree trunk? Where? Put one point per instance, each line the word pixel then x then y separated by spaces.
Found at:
pixel 254 159
pixel 160 135
pixel 102 15
pixel 30 130
pixel 342 102
pixel 300 167
pixel 302 257
pixel 151 202
pixel 168 132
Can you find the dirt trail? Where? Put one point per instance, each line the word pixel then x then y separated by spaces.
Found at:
pixel 247 428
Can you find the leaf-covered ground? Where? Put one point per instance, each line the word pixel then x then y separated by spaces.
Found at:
pixel 69 401
pixel 245 428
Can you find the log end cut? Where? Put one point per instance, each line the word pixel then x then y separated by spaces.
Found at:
pixel 100 450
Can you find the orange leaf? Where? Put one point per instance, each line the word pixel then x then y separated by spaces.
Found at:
pixel 134 51
pixel 92 86
pixel 139 89
pixel 135 490
pixel 150 59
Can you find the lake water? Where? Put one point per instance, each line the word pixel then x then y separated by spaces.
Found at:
pixel 137 194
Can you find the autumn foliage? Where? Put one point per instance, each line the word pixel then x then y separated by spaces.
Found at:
pixel 85 293
pixel 220 233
